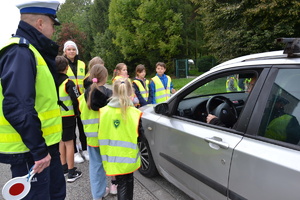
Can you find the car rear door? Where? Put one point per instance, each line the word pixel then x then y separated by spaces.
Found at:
pixel 267 166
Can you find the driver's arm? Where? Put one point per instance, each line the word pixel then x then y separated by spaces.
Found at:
pixel 212 119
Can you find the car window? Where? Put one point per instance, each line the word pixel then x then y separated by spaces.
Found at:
pixel 225 84
pixel 282 114
pixel 231 91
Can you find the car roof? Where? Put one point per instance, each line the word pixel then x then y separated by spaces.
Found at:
pixel 272 57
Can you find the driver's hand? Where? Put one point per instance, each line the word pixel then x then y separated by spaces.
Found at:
pixel 210 117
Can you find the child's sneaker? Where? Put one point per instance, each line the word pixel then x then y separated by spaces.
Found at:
pixel 73 175
pixel 106 192
pixel 65 169
pixel 113 189
pixel 86 155
pixel 66 172
pixel 78 158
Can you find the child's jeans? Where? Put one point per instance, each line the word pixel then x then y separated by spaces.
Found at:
pixel 97 174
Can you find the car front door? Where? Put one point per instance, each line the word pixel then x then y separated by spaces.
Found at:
pixel 193 155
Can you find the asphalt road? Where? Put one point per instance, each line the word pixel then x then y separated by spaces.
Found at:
pixel 144 188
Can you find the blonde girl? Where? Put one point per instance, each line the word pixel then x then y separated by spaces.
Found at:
pixel 119 129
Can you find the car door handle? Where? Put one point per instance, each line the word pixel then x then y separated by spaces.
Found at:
pixel 218 141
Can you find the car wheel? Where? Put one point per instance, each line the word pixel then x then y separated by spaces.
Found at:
pixel 148 168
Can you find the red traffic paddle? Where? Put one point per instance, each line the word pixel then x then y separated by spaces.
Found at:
pixel 18 187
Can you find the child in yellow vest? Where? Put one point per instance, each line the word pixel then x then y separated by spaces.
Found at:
pixel 119 130
pixel 76 72
pixel 161 86
pixel 68 94
pixel 121 72
pixel 141 85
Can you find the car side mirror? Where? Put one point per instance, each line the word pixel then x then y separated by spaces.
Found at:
pixel 162 108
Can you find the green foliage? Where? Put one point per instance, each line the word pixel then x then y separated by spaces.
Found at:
pixel 107 50
pixel 98 16
pixel 240 27
pixel 205 63
pixel 146 30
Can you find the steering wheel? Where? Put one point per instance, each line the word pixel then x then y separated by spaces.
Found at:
pixel 225 111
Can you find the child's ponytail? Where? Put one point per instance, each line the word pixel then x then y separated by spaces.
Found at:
pixel 122 89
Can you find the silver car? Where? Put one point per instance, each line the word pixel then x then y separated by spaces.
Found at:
pixel 253 149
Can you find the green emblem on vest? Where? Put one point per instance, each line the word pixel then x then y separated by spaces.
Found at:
pixel 81 70
pixel 116 123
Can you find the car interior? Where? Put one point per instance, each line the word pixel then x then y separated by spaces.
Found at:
pixel 223 97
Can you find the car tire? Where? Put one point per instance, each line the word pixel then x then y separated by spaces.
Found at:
pixel 148 168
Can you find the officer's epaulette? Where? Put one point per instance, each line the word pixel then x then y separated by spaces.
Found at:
pixel 23 42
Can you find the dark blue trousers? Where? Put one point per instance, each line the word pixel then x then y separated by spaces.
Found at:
pixel 48 185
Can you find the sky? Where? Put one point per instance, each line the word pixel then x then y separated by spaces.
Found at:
pixel 9 19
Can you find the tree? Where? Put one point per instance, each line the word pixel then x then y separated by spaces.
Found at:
pixel 146 29
pixel 102 36
pixel 239 27
pixel 107 50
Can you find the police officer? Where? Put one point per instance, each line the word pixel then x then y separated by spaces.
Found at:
pixel 30 119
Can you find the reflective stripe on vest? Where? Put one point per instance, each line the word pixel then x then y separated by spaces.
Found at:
pixel 66 99
pixel 80 75
pixel 161 93
pixel 277 128
pixel 45 105
pixel 144 91
pixel 90 121
pixel 118 140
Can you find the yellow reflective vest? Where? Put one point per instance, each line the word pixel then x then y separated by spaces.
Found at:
pixel 161 93
pixel 144 91
pixel 80 75
pixel 90 121
pixel 66 99
pixel 45 104
pixel 277 128
pixel 232 84
pixel 118 140
pixel 117 77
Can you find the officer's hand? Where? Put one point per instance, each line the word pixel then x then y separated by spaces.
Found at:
pixel 40 165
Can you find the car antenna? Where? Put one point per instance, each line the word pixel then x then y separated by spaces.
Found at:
pixel 292 48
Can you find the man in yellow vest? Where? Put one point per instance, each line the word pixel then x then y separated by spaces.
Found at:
pixel 30 118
